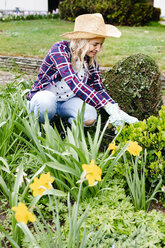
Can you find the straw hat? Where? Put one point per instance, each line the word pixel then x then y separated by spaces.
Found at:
pixel 90 26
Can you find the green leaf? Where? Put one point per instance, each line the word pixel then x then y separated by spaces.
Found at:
pixel 12 242
pixel 3 123
pixel 61 167
pixel 6 168
pixel 18 182
pixel 28 234
pixel 4 188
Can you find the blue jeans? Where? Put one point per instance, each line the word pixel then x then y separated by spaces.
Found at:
pixel 46 101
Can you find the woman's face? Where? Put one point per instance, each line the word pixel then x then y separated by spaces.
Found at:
pixel 94 46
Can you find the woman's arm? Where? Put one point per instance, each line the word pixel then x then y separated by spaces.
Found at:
pixel 97 84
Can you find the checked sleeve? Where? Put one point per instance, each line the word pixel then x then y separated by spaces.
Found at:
pixel 96 83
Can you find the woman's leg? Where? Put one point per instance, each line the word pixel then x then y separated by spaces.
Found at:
pixel 41 102
pixel 71 107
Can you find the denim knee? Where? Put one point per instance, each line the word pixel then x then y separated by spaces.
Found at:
pixel 90 113
pixel 43 101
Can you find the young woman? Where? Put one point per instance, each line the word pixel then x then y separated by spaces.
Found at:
pixel 69 76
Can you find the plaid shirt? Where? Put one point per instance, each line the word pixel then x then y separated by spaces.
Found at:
pixel 57 65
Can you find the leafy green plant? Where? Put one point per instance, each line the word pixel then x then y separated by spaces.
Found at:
pixel 8 143
pixel 16 194
pixel 51 238
pixel 150 135
pixel 137 183
pixel 65 157
pixel 143 13
pixel 123 225
pixel 118 12
pixel 12 195
pixel 12 108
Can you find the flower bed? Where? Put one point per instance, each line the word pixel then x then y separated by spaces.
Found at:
pixel 67 192
pixel 7 16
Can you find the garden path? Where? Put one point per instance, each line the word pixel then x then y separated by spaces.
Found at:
pixel 6 77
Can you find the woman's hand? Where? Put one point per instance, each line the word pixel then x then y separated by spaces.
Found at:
pixel 118 116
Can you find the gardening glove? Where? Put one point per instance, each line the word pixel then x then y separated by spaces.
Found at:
pixel 118 116
pixel 128 118
pixel 114 116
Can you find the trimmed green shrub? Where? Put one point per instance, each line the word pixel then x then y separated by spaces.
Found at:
pixel 156 14
pixel 117 12
pixel 142 13
pixel 135 84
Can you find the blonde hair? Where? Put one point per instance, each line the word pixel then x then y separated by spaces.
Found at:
pixel 78 48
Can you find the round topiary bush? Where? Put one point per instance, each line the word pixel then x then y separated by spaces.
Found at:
pixel 135 84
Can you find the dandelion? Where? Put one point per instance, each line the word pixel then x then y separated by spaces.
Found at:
pixel 134 148
pixel 23 214
pixel 93 172
pixel 42 184
pixel 112 147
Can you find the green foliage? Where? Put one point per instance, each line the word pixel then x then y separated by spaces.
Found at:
pixel 8 142
pixel 43 144
pixel 111 206
pixel 22 17
pixel 123 226
pixel 136 181
pixel 45 235
pixel 143 13
pixel 150 134
pixel 64 157
pixel 11 109
pixel 134 83
pixel 118 12
pixel 29 146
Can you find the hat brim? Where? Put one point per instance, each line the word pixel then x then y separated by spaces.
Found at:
pixel 111 31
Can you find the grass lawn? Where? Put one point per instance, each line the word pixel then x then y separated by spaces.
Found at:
pixel 34 38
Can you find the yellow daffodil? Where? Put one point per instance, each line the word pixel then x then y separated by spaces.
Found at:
pixel 134 148
pixel 42 184
pixel 22 213
pixel 112 147
pixel 93 172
